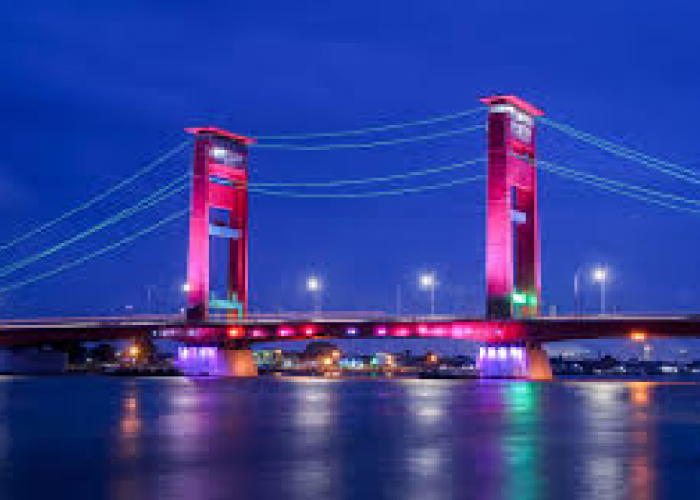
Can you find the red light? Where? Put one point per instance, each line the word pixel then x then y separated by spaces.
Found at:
pixel 422 330
pixel 235 332
pixel 309 330
pixel 401 332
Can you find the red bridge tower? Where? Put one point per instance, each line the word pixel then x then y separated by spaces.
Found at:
pixel 220 182
pixel 512 246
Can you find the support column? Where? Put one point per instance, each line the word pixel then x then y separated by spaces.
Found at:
pixel 218 361
pixel 219 182
pixel 512 241
pixel 529 361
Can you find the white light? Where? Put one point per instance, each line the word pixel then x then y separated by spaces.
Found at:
pixel 218 153
pixel 313 284
pixel 186 287
pixel 600 274
pixel 427 280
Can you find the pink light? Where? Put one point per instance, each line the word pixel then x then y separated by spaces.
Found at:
pixel 258 333
pixel 422 330
pixel 309 330
pixel 380 331
pixel 402 331
pixel 285 331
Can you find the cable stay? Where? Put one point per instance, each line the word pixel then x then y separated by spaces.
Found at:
pixel 366 145
pixel 162 194
pixel 104 195
pixel 97 253
pixel 370 130
pixel 622 188
pixel 371 194
pixel 369 180
pixel 666 167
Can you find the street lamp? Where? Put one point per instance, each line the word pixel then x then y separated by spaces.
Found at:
pixel 185 287
pixel 427 281
pixel 313 285
pixel 600 275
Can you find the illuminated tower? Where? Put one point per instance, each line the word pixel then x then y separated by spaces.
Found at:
pixel 218 207
pixel 512 246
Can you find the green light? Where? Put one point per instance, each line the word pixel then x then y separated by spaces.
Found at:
pixel 532 300
pixel 519 298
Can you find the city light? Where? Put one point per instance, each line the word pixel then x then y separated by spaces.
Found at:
pixel 638 336
pixel 234 332
pixel 519 298
pixel 134 351
pixel 427 281
pixel 313 284
pixel 600 274
pixel 186 287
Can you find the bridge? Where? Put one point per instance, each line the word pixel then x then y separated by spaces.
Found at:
pixel 215 335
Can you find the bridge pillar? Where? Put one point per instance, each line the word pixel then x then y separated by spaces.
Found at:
pixel 528 361
pixel 216 361
pixel 28 361
pixel 219 182
pixel 512 240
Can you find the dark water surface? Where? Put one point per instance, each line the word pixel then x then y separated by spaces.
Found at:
pixel 131 439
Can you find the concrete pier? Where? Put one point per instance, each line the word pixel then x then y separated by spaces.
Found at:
pixel 514 361
pixel 216 361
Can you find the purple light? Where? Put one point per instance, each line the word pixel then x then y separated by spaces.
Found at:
pixel 380 331
pixel 352 331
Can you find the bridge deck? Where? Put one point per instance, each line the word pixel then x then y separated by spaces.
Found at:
pixel 542 330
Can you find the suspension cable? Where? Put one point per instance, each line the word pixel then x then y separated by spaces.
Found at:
pixel 669 168
pixel 165 192
pixel 97 253
pixel 374 144
pixel 381 128
pixel 369 180
pixel 93 201
pixel 371 194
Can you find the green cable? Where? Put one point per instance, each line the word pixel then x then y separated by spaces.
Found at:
pixel 84 206
pixel 606 187
pixel 368 180
pixel 97 253
pixel 656 164
pixel 622 184
pixel 374 144
pixel 165 192
pixel 368 130
pixel 372 194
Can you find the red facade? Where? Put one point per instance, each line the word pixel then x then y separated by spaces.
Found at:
pixel 512 241
pixel 219 181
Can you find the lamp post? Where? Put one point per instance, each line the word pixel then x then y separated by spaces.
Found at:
pixel 313 285
pixel 577 292
pixel 600 275
pixel 427 281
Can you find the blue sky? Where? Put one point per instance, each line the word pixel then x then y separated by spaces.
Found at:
pixel 90 92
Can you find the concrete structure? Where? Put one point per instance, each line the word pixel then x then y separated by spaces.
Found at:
pixel 219 182
pixel 512 240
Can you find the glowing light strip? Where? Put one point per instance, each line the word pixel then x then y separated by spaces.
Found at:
pixel 93 201
pixel 368 130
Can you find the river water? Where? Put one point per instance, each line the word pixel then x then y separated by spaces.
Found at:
pixel 308 438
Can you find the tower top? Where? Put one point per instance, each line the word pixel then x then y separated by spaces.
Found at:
pixel 513 101
pixel 221 133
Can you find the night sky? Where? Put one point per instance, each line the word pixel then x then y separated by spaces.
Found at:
pixel 90 92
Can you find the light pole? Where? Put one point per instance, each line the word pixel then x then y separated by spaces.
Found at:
pixel 313 285
pixel 427 281
pixel 600 275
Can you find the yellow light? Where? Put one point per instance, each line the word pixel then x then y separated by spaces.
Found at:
pixel 134 351
pixel 638 336
pixel 336 354
pixel 327 361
